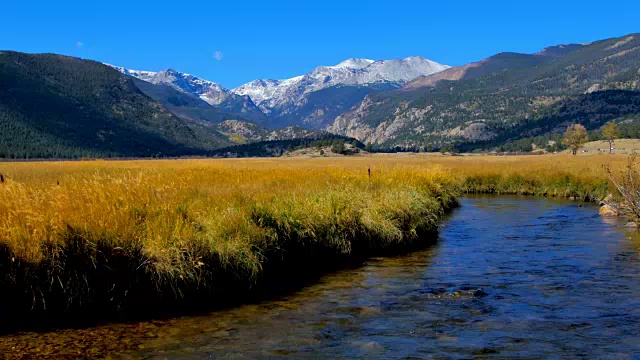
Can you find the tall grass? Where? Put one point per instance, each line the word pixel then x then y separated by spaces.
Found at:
pixel 129 234
pixel 111 234
pixel 565 176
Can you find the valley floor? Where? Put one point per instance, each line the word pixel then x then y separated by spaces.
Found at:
pixel 113 237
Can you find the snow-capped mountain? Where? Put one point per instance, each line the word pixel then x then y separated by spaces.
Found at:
pixel 312 100
pixel 212 93
pixel 306 100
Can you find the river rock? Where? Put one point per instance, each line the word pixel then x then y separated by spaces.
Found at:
pixel 631 225
pixel 479 293
pixel 608 211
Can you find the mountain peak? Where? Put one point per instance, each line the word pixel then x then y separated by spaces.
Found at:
pixel 354 63
pixel 210 92
pixel 315 98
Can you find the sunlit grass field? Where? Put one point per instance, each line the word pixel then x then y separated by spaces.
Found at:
pixel 105 233
pixel 84 232
pixel 561 175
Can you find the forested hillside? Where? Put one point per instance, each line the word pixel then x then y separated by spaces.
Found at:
pixel 58 106
pixel 183 105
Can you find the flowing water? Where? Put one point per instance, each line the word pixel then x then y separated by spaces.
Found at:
pixel 510 277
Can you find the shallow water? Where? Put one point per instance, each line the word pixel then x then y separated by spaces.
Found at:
pixel 510 277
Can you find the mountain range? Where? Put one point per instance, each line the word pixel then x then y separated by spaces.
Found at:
pixel 54 106
pixel 220 98
pixel 505 97
pixel 312 100
pixel 58 106
pixel 315 99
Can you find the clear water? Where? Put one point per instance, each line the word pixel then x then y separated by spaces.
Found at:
pixel 510 277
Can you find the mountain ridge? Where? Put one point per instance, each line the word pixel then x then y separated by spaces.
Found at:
pixel 284 99
pixel 504 97
pixel 59 106
pixel 219 97
pixel 293 101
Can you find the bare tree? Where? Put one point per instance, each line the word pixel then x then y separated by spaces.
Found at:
pixel 627 182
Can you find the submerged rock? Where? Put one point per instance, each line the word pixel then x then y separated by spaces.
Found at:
pixel 479 293
pixel 462 294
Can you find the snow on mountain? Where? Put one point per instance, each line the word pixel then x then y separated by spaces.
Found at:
pixel 277 95
pixel 298 100
pixel 140 74
pixel 264 89
pixel 212 93
pixel 208 91
pixel 354 63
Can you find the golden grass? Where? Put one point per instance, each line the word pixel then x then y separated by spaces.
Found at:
pixel 41 200
pixel 199 223
pixel 72 233
pixel 582 177
pixel 157 202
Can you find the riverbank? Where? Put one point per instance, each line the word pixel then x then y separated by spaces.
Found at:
pixel 548 176
pixel 129 237
pixel 531 257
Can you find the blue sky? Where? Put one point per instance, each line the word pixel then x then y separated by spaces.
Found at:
pixel 233 42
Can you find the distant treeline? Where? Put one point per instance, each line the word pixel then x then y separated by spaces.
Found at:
pixel 271 148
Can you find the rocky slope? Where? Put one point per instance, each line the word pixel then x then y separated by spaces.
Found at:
pixel 242 132
pixel 184 105
pixel 293 132
pixel 504 97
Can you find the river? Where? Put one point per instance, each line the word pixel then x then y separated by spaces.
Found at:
pixel 510 277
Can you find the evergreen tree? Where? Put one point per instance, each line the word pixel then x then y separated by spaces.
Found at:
pixel 368 147
pixel 338 147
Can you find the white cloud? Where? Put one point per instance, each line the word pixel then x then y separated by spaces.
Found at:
pixel 218 55
pixel 79 44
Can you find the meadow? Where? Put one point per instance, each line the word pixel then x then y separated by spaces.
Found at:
pixel 113 236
